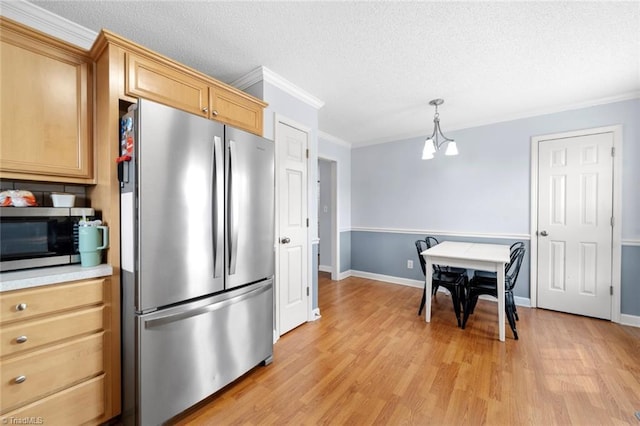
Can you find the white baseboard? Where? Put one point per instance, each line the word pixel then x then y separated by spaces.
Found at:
pixel 632 320
pixel 315 314
pixel 325 268
pixel 388 279
pixel 343 275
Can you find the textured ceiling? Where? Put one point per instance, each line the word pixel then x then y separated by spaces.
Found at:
pixel 376 65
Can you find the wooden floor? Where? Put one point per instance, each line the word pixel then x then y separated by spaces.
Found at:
pixel 371 360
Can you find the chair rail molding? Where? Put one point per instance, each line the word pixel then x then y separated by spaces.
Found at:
pixel 460 234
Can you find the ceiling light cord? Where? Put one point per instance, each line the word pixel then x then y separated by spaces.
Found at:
pixel 434 142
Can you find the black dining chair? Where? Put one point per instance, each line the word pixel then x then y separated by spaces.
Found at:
pixel 493 276
pixel 433 241
pixel 453 282
pixel 479 285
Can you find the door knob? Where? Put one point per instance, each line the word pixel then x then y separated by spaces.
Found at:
pixel 285 240
pixel 544 233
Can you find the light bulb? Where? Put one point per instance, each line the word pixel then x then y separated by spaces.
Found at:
pixel 428 150
pixel 452 149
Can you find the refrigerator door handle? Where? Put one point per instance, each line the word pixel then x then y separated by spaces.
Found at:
pixel 155 322
pixel 234 210
pixel 218 207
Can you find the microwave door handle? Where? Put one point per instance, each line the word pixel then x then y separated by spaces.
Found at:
pixel 218 206
pixel 233 209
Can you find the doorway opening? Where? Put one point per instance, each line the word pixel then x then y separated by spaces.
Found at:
pixel 328 248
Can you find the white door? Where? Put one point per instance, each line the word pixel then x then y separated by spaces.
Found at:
pixel 575 209
pixel 292 281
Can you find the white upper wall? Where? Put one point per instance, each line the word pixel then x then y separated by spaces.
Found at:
pixel 485 189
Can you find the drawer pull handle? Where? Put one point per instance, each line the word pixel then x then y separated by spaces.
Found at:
pixel 21 306
pixel 20 379
pixel 21 339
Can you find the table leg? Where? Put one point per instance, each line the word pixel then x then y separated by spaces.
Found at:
pixel 500 280
pixel 428 284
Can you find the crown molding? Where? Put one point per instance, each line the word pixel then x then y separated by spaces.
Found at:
pixel 263 73
pixel 550 110
pixel 333 139
pixel 40 19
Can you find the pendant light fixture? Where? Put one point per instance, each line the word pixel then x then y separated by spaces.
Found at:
pixel 434 142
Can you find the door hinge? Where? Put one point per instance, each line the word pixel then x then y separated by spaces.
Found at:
pixel 612 221
pixel 307 152
pixel 613 151
pixel 308 291
pixel 610 290
pixel 307 222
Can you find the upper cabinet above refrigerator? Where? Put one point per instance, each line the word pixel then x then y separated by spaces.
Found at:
pixel 177 86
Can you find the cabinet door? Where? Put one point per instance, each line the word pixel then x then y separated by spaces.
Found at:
pixel 234 109
pixel 46 109
pixel 152 80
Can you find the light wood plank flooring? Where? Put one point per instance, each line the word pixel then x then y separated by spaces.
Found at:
pixel 371 360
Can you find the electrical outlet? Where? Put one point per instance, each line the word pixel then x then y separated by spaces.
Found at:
pixel 410 264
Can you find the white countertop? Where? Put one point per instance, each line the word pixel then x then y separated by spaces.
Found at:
pixel 16 280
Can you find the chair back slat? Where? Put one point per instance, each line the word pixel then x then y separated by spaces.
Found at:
pixel 421 245
pixel 432 242
pixel 513 268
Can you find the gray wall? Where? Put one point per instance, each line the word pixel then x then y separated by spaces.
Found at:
pixel 482 194
pixel 400 247
pixel 345 251
pixel 630 303
pixel 324 217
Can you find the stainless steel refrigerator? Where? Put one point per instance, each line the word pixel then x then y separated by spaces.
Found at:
pixel 197 258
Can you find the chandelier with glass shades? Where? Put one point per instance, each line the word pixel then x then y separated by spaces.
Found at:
pixel 434 142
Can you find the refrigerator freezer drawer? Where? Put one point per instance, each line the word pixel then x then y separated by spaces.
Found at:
pixel 187 353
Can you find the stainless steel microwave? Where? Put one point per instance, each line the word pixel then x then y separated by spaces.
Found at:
pixel 32 237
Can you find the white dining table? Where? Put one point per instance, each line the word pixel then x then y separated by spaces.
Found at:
pixel 484 257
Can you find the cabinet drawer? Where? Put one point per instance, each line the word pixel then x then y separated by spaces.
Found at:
pixel 48 299
pixel 26 335
pixel 49 370
pixel 77 405
pixel 151 80
pixel 236 110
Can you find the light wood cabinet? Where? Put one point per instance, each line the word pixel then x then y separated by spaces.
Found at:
pixel 152 76
pixel 46 104
pixel 55 358
pixel 235 109
pixel 151 80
